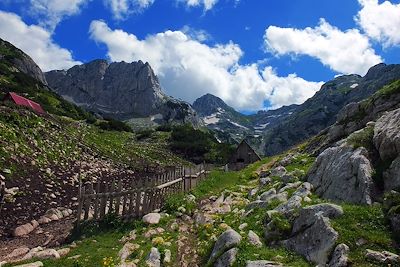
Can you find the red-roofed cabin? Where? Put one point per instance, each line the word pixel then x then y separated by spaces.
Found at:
pixel 22 101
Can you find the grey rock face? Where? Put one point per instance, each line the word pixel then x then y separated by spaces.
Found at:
pixel 340 256
pixel 227 240
pixel 315 242
pixel 343 174
pixel 387 135
pixel 227 259
pixel 307 215
pixel 392 176
pixel 23 63
pixel 119 90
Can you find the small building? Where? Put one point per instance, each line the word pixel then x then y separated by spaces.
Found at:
pixel 243 156
pixel 22 101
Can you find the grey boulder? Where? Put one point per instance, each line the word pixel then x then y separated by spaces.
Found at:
pixel 227 259
pixel 343 174
pixel 227 240
pixel 314 242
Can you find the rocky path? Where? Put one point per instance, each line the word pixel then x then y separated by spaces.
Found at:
pixel 187 244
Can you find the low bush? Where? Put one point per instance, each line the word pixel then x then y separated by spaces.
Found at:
pixel 144 134
pixel 114 125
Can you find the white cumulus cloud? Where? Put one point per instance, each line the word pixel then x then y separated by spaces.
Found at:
pixel 380 22
pixel 342 51
pixel 188 68
pixel 50 12
pixel 207 4
pixel 36 42
pixel 121 9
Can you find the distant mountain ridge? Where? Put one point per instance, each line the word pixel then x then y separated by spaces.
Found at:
pixel 273 131
pixel 121 91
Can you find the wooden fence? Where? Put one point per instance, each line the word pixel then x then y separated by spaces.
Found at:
pixel 137 197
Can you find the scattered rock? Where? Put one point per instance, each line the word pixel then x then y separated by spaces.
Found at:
pixel 18 252
pixel 340 256
pixel 47 254
pixel 343 174
pixel 252 192
pixel 130 237
pixel 290 206
pixel 290 186
pixel 254 239
pixel 304 190
pixel 278 171
pixel 167 256
pixel 154 258
pixel 263 263
pixel 242 226
pixel 152 218
pixel 22 230
pixel 227 240
pixel 288 178
pixel 63 252
pixel 127 250
pixel 265 181
pixel 264 196
pixel 227 259
pixel 34 264
pixel 383 257
pixel 361 242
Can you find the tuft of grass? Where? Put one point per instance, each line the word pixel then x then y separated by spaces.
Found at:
pixel 363 222
pixel 362 138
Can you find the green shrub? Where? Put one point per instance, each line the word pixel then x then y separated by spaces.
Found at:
pixel 164 128
pixel 174 202
pixel 114 125
pixel 144 134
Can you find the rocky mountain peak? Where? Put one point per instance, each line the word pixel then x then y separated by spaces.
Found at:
pixel 209 104
pixel 119 90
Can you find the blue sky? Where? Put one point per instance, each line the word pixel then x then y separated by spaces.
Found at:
pixel 253 54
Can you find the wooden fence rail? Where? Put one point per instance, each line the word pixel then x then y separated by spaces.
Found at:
pixel 138 197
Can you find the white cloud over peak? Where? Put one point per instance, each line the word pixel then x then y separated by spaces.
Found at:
pixel 208 4
pixel 50 12
pixel 121 9
pixel 188 68
pixel 344 52
pixel 36 42
pixel 380 22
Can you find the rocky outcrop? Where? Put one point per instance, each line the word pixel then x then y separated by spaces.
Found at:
pixel 120 90
pixel 387 135
pixel 21 61
pixel 343 174
pixel 312 235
